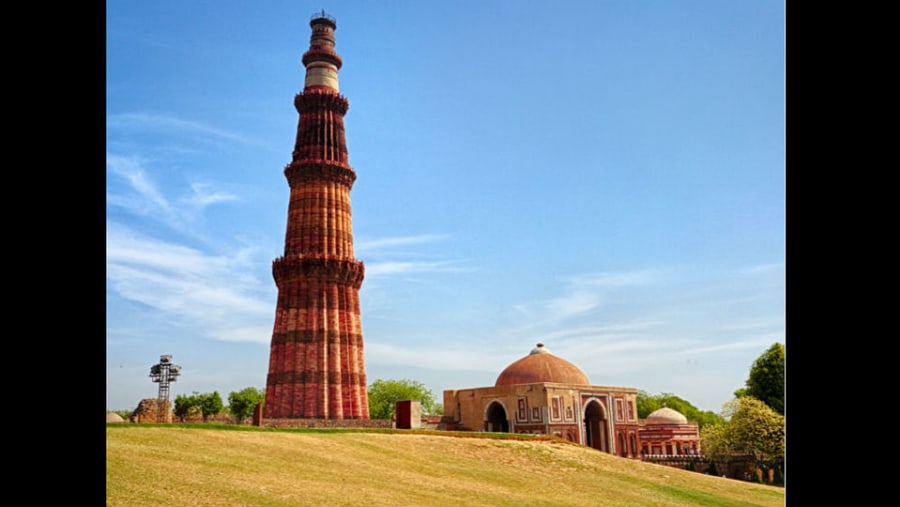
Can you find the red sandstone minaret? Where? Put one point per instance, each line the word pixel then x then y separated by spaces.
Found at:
pixel 316 364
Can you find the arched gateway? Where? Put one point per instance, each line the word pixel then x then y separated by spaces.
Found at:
pixel 595 434
pixel 496 419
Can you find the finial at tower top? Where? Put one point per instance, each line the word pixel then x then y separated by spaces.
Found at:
pixel 323 16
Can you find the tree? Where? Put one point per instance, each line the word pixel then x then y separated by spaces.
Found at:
pixel 716 441
pixel 647 404
pixel 766 380
pixel 186 406
pixel 756 428
pixel 241 403
pixel 384 395
pixel 751 427
pixel 210 404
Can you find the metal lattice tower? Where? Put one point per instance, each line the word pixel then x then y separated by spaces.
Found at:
pixel 163 373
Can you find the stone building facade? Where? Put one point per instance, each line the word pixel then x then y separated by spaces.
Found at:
pixel 667 432
pixel 544 394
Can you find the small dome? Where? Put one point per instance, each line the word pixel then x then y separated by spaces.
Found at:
pixel 541 365
pixel 114 417
pixel 666 415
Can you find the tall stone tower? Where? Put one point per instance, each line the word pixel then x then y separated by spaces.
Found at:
pixel 316 363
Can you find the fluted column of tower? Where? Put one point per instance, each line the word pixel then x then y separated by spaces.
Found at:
pixel 316 364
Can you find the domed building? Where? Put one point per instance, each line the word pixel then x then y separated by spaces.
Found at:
pixel 544 394
pixel 667 432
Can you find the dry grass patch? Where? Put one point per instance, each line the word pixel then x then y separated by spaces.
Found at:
pixel 199 466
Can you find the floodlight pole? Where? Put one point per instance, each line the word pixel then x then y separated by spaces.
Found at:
pixel 163 373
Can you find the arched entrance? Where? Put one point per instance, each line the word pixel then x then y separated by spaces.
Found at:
pixel 496 420
pixel 595 427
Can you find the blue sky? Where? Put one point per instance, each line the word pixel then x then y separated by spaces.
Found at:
pixel 605 177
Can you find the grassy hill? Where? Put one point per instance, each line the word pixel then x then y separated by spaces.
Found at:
pixel 201 465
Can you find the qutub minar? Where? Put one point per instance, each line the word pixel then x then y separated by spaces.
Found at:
pixel 316 363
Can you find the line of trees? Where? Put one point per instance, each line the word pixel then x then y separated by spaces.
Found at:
pixel 240 404
pixel 383 395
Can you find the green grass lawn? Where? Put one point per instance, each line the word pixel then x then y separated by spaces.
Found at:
pixel 200 465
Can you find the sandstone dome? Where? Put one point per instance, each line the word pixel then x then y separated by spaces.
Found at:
pixel 666 415
pixel 114 417
pixel 541 365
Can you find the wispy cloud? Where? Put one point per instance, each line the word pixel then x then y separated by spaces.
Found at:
pixel 631 350
pixel 762 268
pixel 203 196
pixel 170 124
pixel 697 314
pixel 616 279
pixel 574 303
pixel 213 294
pixel 759 343
pixel 580 295
pixel 380 269
pixel 142 196
pixel 753 324
pixel 443 358
pixel 596 334
pixel 370 246
pixel 393 256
